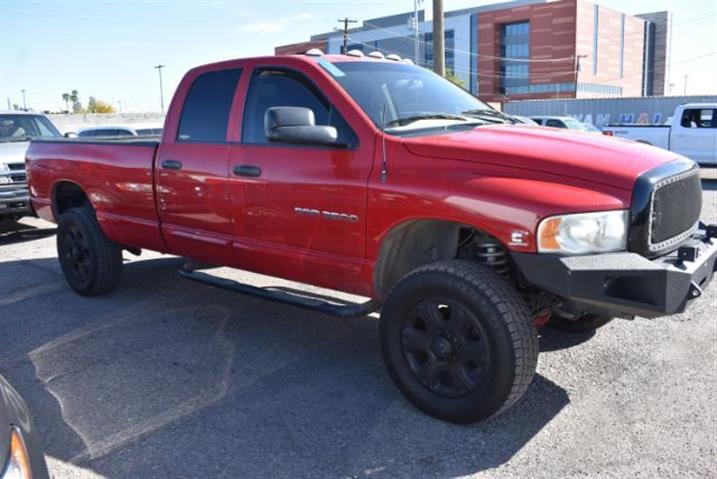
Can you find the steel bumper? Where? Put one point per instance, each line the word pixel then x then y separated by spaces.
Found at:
pixel 627 284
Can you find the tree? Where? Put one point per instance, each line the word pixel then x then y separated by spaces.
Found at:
pixel 98 106
pixel 66 99
pixel 451 77
pixel 76 104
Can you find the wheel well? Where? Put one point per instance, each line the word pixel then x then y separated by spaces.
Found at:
pixel 68 195
pixel 415 243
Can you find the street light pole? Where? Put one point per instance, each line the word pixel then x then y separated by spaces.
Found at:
pixel 161 90
pixel 24 102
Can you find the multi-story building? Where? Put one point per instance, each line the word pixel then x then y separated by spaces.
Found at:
pixel 527 49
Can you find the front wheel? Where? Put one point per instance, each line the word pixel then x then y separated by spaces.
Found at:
pixel 458 341
pixel 91 264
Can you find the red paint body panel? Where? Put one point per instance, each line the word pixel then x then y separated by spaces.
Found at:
pixel 501 179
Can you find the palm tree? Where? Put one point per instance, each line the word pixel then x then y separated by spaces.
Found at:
pixel 75 99
pixel 66 98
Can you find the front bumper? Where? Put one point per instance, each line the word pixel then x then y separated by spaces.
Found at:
pixel 14 199
pixel 626 284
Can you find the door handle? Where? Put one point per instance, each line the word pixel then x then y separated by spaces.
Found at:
pixel 171 165
pixel 247 170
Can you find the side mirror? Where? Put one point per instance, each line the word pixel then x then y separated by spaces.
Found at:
pixel 70 134
pixel 296 125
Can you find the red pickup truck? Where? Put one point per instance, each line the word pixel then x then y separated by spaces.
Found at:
pixel 379 178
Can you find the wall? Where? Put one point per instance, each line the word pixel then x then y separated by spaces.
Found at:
pixel 661 47
pixel 552 36
pixel 66 123
pixel 301 47
pixel 600 112
pixel 604 69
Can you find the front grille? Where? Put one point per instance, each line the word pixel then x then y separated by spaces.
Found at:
pixel 665 208
pixel 16 166
pixel 19 178
pixel 676 207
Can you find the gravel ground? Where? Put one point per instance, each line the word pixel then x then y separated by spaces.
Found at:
pixel 169 378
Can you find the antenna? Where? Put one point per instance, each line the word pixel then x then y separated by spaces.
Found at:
pixel 384 163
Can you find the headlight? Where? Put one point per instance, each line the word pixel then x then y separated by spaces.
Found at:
pixel 18 464
pixel 581 233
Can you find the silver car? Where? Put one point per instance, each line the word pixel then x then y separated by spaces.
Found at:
pixel 17 128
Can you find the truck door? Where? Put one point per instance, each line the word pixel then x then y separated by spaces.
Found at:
pixel 693 135
pixel 304 206
pixel 192 169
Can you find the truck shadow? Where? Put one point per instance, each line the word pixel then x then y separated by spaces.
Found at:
pixel 16 232
pixel 172 376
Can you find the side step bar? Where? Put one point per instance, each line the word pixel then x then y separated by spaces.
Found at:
pixel 283 296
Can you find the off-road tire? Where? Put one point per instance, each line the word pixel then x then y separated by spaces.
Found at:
pixel 494 308
pixel 585 323
pixel 100 258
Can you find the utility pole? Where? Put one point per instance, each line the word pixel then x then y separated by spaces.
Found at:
pixel 161 90
pixel 24 102
pixel 346 21
pixel 416 32
pixel 119 103
pixel 8 104
pixel 684 92
pixel 439 52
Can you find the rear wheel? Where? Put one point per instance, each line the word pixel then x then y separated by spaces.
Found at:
pixel 586 322
pixel 458 341
pixel 91 264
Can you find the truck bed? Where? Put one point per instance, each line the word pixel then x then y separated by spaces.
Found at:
pixel 116 175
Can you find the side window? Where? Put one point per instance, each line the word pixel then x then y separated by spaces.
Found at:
pixel 270 88
pixel 206 109
pixel 555 123
pixel 696 118
pixel 539 121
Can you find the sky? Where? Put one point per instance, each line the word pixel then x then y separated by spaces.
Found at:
pixel 108 49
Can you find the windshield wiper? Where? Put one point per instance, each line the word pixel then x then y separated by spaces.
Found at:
pixel 427 116
pixel 490 115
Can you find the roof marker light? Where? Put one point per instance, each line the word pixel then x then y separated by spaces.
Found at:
pixel 314 52
pixel 407 60
pixel 376 54
pixel 354 53
pixel 393 57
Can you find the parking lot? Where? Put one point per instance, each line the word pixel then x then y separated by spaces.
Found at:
pixel 169 378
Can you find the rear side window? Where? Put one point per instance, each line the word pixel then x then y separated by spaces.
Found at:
pixel 206 109
pixel 694 118
pixel 555 123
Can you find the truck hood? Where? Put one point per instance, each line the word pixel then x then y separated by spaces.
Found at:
pixel 13 151
pixel 585 156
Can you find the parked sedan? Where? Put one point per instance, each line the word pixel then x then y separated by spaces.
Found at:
pixel 118 131
pixel 566 122
pixel 20 454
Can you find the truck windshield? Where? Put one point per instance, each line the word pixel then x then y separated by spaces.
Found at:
pixel 407 93
pixel 26 127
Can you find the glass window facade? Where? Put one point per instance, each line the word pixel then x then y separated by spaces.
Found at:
pixel 564 87
pixel 448 44
pixel 515 46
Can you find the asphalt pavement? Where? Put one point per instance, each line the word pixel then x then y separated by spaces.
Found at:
pixel 170 378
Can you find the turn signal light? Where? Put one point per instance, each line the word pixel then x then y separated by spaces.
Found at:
pixel 18 464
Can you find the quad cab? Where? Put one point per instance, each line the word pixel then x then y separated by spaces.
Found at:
pixel 382 179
